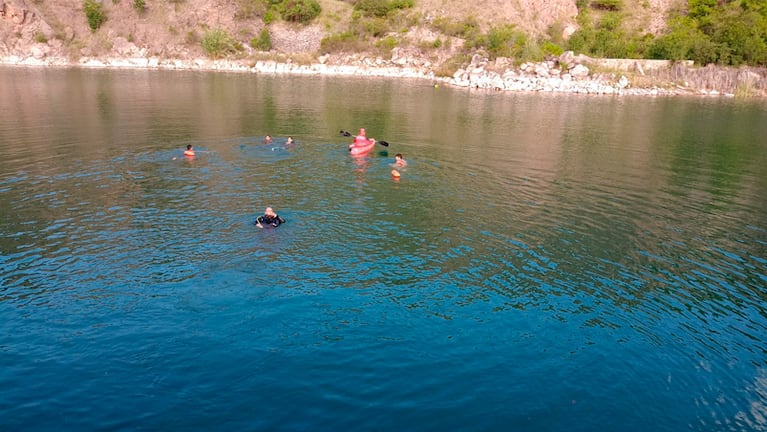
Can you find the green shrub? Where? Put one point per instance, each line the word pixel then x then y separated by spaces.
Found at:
pixel 347 41
pixel 247 9
pixel 551 49
pixel 725 33
pixel 744 33
pixel 555 33
pixel 684 42
pixel 40 37
pixel 471 27
pixel 447 26
pixel 504 41
pixel 700 8
pixel 376 27
pixel 139 5
pixel 381 8
pixel 610 5
pixel 378 8
pixel 94 13
pixel 270 16
pixel 263 42
pixel 529 51
pixel 610 21
pixel 401 4
pixel 370 27
pixel 468 28
pixel 387 44
pixel 759 6
pixel 301 11
pixel 217 43
pixel 451 65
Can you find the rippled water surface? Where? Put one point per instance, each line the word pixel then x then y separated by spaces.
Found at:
pixel 548 263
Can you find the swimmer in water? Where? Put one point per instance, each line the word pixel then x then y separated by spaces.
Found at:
pixel 269 218
pixel 189 151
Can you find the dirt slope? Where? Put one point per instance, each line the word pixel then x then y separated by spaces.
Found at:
pixel 173 29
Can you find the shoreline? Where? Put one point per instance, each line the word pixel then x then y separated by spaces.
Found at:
pixel 536 78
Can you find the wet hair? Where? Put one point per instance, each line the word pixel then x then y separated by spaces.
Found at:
pixel 399 155
pixel 188 146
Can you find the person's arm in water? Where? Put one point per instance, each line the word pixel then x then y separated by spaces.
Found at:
pixel 275 221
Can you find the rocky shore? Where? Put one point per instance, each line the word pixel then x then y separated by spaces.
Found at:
pixel 566 74
pixel 55 34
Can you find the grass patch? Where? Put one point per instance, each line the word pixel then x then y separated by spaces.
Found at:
pixel 139 6
pixel 94 13
pixel 347 41
pixel 217 43
pixel 263 42
pixel 453 64
pixel 300 11
pixel 248 9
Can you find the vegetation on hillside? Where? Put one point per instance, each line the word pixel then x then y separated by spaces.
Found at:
pixel 217 43
pixel 721 32
pixel 296 11
pixel 94 13
pixel 728 33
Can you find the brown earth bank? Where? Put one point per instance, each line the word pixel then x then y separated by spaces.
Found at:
pixel 167 34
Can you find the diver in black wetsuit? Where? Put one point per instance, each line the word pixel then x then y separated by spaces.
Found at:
pixel 269 218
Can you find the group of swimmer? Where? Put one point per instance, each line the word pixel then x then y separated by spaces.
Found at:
pixel 363 144
pixel 189 152
pixel 270 218
pixel 268 140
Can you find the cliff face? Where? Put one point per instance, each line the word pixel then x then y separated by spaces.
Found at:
pixel 167 29
pixel 173 29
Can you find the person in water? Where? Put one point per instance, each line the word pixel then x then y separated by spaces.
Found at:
pixel 268 139
pixel 399 161
pixel 269 218
pixel 290 140
pixel 189 150
pixel 362 137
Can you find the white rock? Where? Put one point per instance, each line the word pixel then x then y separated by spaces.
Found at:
pixel 579 71
pixel 623 82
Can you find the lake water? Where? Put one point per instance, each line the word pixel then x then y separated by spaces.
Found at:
pixel 546 263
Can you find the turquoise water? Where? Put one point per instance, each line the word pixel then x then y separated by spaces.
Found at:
pixel 548 263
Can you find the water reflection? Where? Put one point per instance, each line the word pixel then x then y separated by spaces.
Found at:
pixel 554 249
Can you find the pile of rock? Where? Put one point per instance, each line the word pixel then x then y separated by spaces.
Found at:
pixel 568 73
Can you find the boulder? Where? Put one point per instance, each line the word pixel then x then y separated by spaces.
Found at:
pixel 579 71
pixel 16 12
pixel 623 82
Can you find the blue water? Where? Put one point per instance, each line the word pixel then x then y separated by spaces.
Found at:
pixel 548 263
